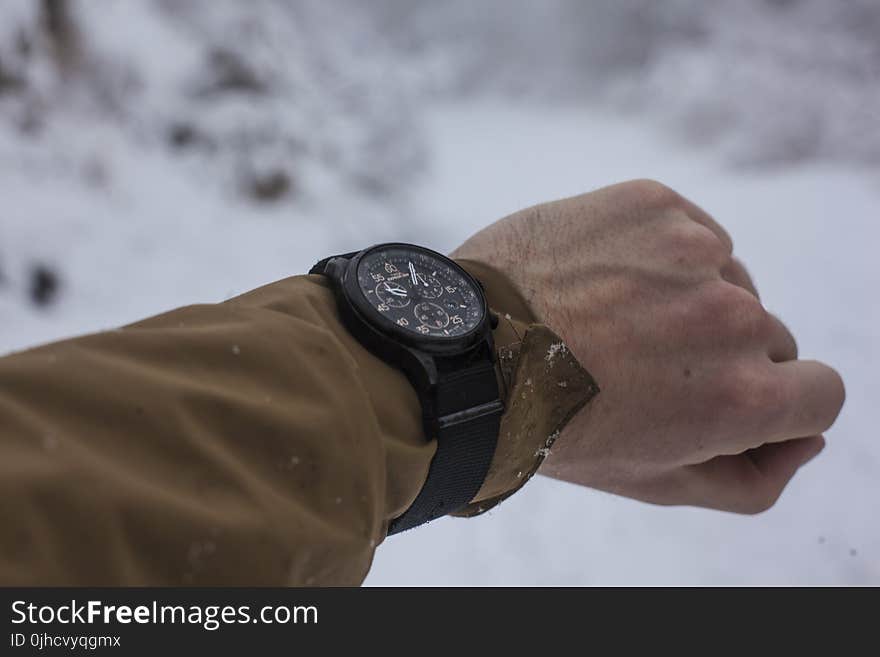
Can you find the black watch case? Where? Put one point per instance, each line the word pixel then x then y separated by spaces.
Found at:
pixel 417 355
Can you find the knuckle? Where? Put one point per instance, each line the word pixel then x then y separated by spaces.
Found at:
pixel 735 312
pixel 748 319
pixel 653 193
pixel 691 242
pixel 777 327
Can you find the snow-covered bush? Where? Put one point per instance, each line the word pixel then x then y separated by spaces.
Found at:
pixel 763 81
pixel 259 94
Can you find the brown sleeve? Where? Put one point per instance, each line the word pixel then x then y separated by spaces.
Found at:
pixel 249 442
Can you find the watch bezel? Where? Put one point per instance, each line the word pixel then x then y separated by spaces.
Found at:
pixel 439 344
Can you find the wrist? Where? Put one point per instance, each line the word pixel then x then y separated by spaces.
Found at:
pixel 542 383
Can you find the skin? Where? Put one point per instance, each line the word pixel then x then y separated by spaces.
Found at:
pixel 703 399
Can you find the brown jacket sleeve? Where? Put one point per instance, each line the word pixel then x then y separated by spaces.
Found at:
pixel 248 442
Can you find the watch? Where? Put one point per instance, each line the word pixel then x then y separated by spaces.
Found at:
pixel 421 312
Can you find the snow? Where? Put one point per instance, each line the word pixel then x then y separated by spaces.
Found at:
pixel 554 351
pixel 380 145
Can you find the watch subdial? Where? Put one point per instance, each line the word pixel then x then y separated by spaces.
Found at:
pixel 431 315
pixel 392 294
pixel 429 287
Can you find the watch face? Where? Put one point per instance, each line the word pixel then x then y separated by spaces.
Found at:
pixel 419 292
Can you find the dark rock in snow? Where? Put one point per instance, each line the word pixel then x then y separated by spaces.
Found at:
pixel 44 285
pixel 182 135
pixel 271 186
pixel 231 73
pixel 9 81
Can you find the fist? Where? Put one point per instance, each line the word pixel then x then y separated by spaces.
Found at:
pixel 703 399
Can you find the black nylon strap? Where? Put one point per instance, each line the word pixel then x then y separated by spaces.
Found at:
pixel 466 427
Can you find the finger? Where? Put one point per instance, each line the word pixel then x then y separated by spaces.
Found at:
pixel 702 217
pixel 805 398
pixel 779 461
pixel 782 346
pixel 735 272
pixel 753 481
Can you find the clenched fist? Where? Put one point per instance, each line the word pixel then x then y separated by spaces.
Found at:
pixel 703 399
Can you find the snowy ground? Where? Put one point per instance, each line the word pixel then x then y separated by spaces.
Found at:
pixel 152 237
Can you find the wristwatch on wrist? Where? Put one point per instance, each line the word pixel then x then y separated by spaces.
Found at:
pixel 419 311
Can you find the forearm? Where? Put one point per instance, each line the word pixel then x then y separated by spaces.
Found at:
pixel 249 442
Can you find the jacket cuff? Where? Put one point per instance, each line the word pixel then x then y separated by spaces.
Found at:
pixel 542 383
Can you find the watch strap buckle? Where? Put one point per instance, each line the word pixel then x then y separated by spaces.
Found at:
pixel 494 407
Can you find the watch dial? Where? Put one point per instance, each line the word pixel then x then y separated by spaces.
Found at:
pixel 419 292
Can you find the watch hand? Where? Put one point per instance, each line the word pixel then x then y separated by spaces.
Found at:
pixel 395 290
pixel 412 273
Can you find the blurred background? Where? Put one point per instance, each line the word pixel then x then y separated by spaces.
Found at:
pixel 156 153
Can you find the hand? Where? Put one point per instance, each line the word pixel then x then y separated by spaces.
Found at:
pixel 703 400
